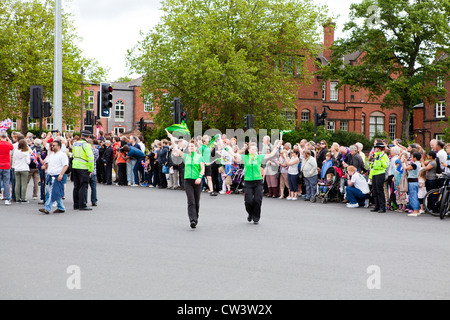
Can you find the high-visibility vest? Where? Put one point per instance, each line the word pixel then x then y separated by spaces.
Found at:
pixel 83 157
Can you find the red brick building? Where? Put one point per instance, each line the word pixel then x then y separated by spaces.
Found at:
pixel 347 110
pixel 430 118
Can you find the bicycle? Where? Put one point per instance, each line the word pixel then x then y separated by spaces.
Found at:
pixel 441 198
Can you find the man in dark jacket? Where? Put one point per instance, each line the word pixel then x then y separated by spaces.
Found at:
pixel 107 159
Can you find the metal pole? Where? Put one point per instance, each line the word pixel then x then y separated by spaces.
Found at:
pixel 57 82
pixel 82 100
pixel 315 125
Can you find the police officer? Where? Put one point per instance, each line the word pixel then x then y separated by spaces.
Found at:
pixel 82 167
pixel 378 175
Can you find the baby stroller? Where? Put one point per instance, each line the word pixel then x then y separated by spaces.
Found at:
pixel 333 193
pixel 238 179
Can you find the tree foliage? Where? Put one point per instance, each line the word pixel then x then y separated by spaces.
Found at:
pixel 27 55
pixel 228 58
pixel 403 45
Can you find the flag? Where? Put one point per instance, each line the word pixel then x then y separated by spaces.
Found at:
pixel 212 142
pixel 181 129
pixel 143 164
pixel 5 124
pixel 34 156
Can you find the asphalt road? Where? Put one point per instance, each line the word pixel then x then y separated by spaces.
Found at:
pixel 137 244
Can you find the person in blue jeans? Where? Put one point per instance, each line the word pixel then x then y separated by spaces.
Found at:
pixel 132 152
pixel 357 190
pixel 413 169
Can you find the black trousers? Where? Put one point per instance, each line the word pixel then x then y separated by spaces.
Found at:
pixel 122 173
pixel 193 192
pixel 80 188
pixel 108 173
pixel 253 198
pixel 378 191
pixel 162 176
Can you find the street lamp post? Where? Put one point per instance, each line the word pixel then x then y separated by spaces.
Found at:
pixel 57 80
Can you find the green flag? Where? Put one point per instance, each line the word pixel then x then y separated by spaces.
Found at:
pixel 213 140
pixel 181 129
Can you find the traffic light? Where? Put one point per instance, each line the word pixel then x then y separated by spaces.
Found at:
pixel 249 119
pixel 105 99
pixel 88 121
pixel 184 116
pixel 320 118
pixel 176 110
pixel 48 109
pixel 36 96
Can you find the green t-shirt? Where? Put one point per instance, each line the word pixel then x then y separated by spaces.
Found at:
pixel 206 153
pixel 252 167
pixel 192 166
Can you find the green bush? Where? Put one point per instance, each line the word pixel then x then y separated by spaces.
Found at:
pixel 347 138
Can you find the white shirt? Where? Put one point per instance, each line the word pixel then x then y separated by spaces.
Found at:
pixel 56 163
pixel 360 183
pixel 442 155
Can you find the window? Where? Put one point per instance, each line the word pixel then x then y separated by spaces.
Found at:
pixel 363 124
pixel 119 130
pixel 439 136
pixel 331 126
pixel 288 66
pixel 392 127
pixel 344 126
pixel 14 124
pixel 440 110
pixel 290 117
pixel 440 82
pixel 376 124
pixel 90 104
pixel 148 104
pixel 70 128
pixel 334 92
pixel 49 124
pixel 120 111
pixel 324 91
pixel 33 124
pixel 305 115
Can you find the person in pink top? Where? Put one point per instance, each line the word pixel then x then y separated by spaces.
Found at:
pixel 5 166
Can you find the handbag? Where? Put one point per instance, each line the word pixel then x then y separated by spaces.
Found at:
pixel 403 186
pixel 165 169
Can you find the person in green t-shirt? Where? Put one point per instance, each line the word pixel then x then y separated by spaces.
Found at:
pixel 253 178
pixel 194 169
pixel 206 153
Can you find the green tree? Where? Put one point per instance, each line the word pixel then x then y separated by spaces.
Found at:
pixel 402 44
pixel 26 58
pixel 229 58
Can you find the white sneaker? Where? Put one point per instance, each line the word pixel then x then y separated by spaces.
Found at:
pixel 354 205
pixel 366 203
pixel 222 192
pixel 7 202
pixel 288 198
pixel 412 215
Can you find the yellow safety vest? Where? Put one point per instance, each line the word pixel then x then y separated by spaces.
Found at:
pixel 83 157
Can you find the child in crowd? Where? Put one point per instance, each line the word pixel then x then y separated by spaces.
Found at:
pixel 328 163
pixel 324 185
pixel 400 194
pixel 422 189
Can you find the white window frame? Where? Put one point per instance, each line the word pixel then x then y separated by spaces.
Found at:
pixel 440 82
pixel 343 126
pixel 70 128
pixel 363 124
pixel 392 127
pixel 33 124
pixel 119 130
pixel 303 114
pixel 440 110
pixel 331 126
pixel 324 91
pixel 119 111
pixel 90 104
pixel 334 93
pixel 149 105
pixel 375 120
pixel 50 124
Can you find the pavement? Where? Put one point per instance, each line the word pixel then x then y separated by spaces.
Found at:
pixel 137 244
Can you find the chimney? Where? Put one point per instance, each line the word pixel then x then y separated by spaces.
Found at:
pixel 328 30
